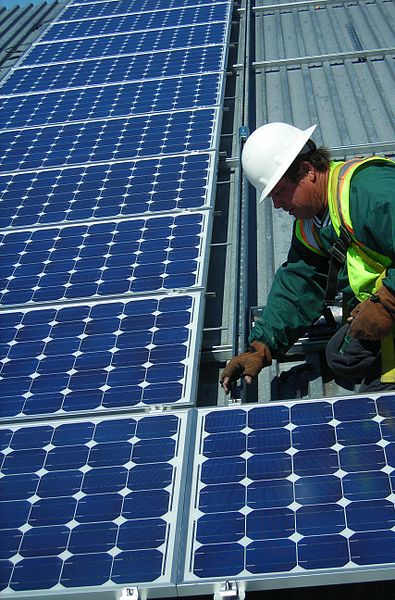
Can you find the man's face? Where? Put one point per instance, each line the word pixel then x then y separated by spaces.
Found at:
pixel 301 199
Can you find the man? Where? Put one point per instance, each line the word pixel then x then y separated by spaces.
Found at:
pixel 343 240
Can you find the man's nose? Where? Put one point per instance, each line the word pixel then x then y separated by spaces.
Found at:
pixel 277 202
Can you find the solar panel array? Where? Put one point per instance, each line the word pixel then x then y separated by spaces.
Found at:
pixel 109 137
pixel 106 191
pixel 273 492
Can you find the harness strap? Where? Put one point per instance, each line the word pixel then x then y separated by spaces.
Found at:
pixel 338 255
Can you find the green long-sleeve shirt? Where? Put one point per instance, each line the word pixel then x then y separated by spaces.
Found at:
pixel 297 294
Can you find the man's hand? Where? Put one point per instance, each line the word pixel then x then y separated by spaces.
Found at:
pixel 247 365
pixel 372 319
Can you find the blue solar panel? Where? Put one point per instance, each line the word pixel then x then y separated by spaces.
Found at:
pixel 291 489
pixel 102 191
pixel 113 139
pixel 147 41
pixel 104 356
pixel 139 21
pixel 115 69
pixel 110 101
pixel 90 502
pixel 139 255
pixel 99 9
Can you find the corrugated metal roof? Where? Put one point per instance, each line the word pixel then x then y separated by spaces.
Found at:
pixel 330 64
pixel 20 26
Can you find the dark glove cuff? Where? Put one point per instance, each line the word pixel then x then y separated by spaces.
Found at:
pixel 386 298
pixel 262 349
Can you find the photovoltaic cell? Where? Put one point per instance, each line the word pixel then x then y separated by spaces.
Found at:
pixel 291 489
pixel 170 63
pixel 147 41
pixel 102 191
pixel 82 10
pixel 89 502
pixel 139 255
pixel 113 139
pixel 110 101
pixel 137 22
pixel 98 357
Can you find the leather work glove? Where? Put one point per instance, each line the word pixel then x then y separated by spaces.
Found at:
pixel 247 365
pixel 372 319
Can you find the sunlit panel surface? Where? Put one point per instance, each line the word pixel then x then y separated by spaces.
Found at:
pixel 132 67
pixel 87 9
pixel 110 101
pixel 138 255
pixel 138 21
pixel 293 489
pixel 105 356
pixel 138 42
pixel 89 502
pixel 107 190
pixel 111 139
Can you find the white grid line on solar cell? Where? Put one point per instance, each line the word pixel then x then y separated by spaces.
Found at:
pixel 181 37
pixel 137 255
pixel 111 100
pixel 110 140
pixel 135 22
pixel 100 357
pixel 92 504
pixel 114 69
pixel 291 491
pixel 106 190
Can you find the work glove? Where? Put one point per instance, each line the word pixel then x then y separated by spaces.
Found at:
pixel 372 319
pixel 248 365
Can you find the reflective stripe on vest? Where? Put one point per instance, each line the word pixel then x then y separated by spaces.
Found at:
pixel 306 233
pixel 364 266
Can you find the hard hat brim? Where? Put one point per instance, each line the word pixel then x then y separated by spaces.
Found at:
pixel 288 160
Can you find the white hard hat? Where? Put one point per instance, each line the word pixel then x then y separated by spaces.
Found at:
pixel 269 151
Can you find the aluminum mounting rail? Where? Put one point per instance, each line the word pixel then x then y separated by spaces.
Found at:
pixel 361 55
pixel 303 4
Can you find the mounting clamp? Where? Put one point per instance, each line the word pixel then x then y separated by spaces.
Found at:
pixel 244 132
pixel 229 589
pixel 130 593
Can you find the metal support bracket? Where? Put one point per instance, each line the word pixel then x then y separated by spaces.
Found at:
pixel 130 593
pixel 244 132
pixel 229 589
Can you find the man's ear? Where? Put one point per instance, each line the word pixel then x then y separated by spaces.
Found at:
pixel 308 170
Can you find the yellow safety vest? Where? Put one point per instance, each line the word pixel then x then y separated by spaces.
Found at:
pixel 366 268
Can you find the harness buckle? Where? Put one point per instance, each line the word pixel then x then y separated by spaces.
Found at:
pixel 339 248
